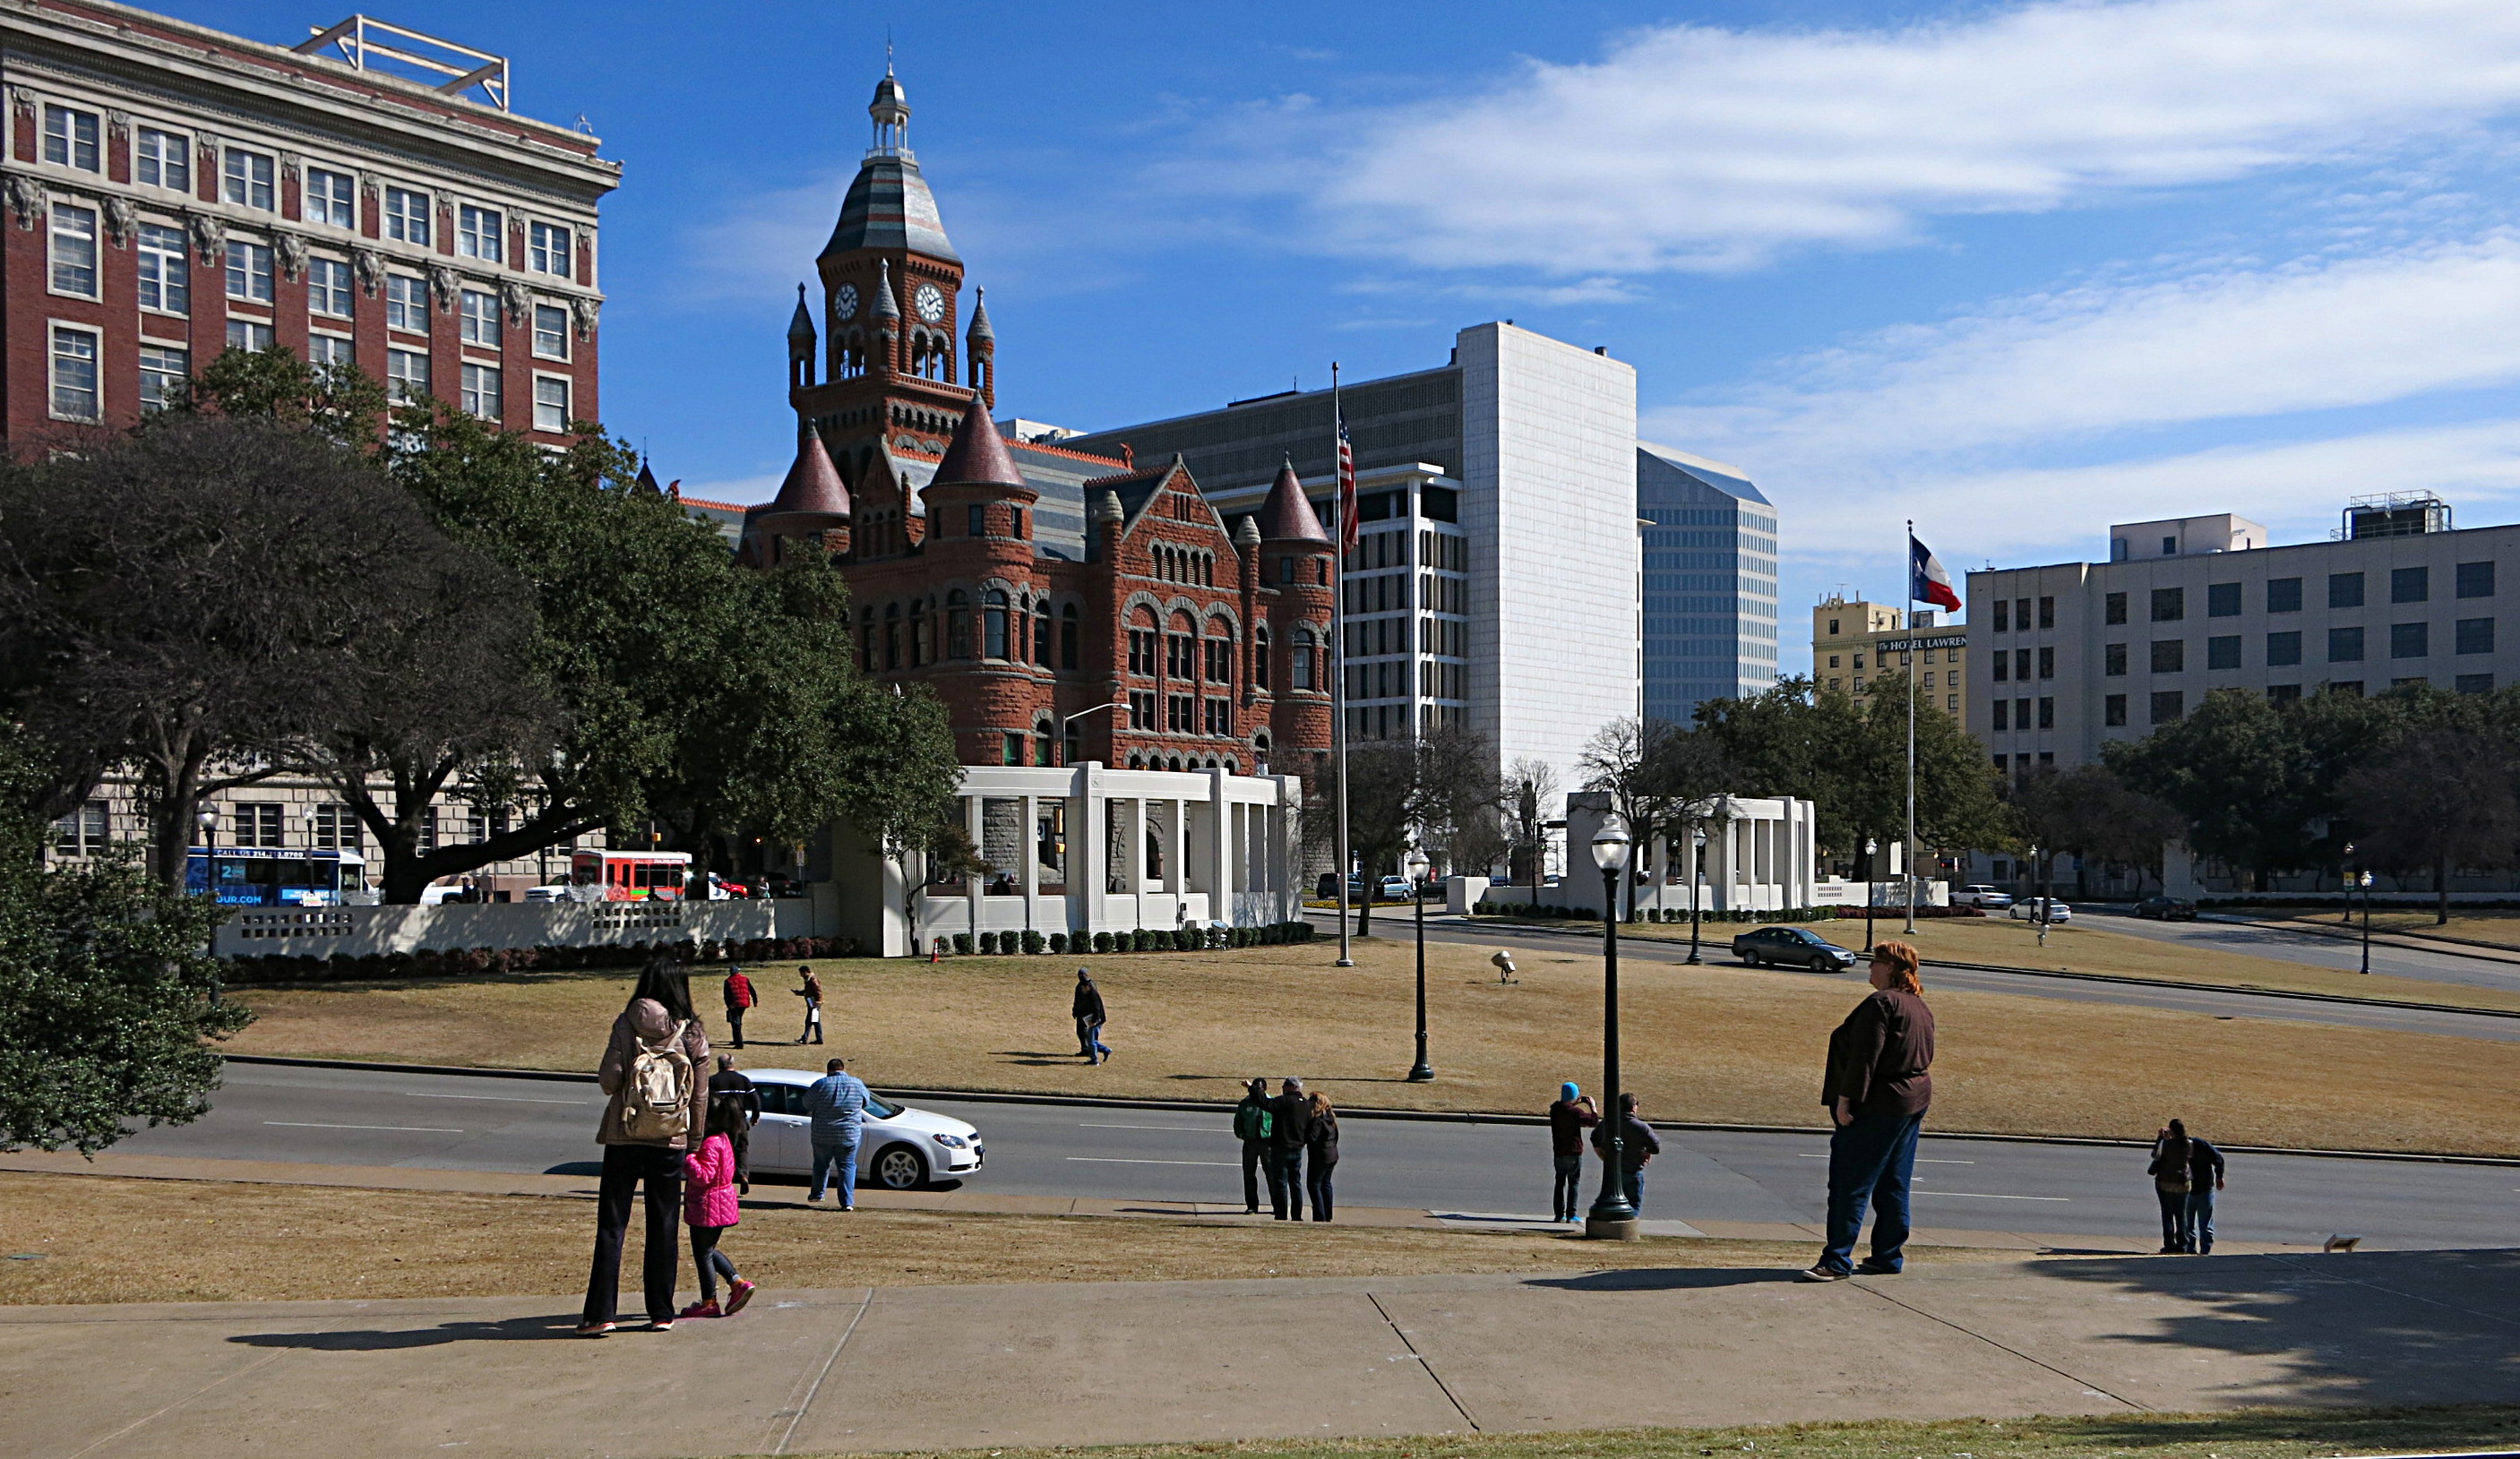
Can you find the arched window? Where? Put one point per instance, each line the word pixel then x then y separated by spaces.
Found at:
pixel 1181 649
pixel 1301 660
pixel 993 630
pixel 1045 741
pixel 1019 632
pixel 958 624
pixel 1075 748
pixel 1218 652
pixel 1067 647
pixel 1143 652
pixel 920 649
pixel 892 636
pixel 1321 571
pixel 866 661
pixel 1041 633
pixel 1260 658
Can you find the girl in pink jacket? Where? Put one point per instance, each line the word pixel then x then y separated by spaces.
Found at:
pixel 709 1207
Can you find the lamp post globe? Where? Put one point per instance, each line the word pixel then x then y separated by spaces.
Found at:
pixel 1611 1218
pixel 1871 874
pixel 208 820
pixel 1421 1070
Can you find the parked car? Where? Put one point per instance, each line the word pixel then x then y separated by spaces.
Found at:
pixel 2027 909
pixel 899 1147
pixel 557 891
pixel 1792 947
pixel 1988 898
pixel 2166 908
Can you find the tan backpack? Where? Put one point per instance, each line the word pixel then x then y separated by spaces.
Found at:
pixel 657 1096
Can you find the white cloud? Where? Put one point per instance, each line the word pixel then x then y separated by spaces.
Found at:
pixel 1692 148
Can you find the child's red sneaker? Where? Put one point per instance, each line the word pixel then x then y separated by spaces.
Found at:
pixel 742 1293
pixel 704 1310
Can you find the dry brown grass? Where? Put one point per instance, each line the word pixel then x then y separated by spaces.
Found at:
pixel 2081 947
pixel 104 1239
pixel 2481 925
pixel 1712 1043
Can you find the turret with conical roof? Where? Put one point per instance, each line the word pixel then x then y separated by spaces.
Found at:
pixel 981 348
pixel 1287 515
pixel 812 500
pixel 801 344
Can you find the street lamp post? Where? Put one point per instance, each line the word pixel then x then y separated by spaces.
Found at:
pixel 1611 1218
pixel 1871 846
pixel 1419 1072
pixel 2039 867
pixel 208 820
pixel 2363 879
pixel 1696 870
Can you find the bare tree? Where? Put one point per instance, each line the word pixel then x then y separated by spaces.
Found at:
pixel 1531 790
pixel 2087 810
pixel 2442 798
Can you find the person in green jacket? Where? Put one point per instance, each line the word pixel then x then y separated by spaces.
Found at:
pixel 1253 1124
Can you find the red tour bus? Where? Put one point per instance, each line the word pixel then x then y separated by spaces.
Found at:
pixel 632 875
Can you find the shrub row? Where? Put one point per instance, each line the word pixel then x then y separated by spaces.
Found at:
pixel 474 962
pixel 1172 939
pixel 1681 914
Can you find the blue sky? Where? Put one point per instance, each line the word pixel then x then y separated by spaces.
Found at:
pixel 2017 271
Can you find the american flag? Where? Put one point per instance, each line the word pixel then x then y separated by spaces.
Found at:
pixel 1346 489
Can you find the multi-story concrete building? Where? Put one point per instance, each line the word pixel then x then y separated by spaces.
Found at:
pixel 1497 496
pixel 177 191
pixel 1710 582
pixel 1853 640
pixel 2068 657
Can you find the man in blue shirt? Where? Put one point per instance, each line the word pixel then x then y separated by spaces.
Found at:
pixel 836 1101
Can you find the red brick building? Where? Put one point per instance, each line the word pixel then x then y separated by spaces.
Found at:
pixel 172 191
pixel 1065 607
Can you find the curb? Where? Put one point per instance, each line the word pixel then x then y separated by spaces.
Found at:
pixel 2132 982
pixel 1426 1117
pixel 2404 942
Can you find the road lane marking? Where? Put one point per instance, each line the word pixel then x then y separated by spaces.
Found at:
pixel 1110 1159
pixel 1923 1160
pixel 1175 1128
pixel 405 1128
pixel 1977 1195
pixel 498 1098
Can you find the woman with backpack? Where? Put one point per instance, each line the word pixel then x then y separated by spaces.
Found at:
pixel 1320 1148
pixel 657 1104
pixel 710 1207
pixel 2185 1172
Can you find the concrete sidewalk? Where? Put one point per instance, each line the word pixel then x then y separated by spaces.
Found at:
pixel 808 1372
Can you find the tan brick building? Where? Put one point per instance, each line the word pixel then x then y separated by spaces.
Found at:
pixel 1853 640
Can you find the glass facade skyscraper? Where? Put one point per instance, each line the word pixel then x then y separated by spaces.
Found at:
pixel 1709 589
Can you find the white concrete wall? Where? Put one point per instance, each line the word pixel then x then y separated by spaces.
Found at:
pixel 1549 475
pixel 358 931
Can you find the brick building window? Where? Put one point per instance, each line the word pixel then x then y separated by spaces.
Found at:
pixel 162 159
pixel 1300 665
pixel 1260 658
pixel 1142 709
pixel 75 376
pixel 892 636
pixel 1181 714
pixel 1067 630
pixel 249 272
pixel 1181 652
pixel 480 232
pixel 1220 659
pixel 1220 717
pixel 329 198
pixel 481 391
pixel 327 288
pixel 166 270
pixel 1010 749
pixel 69 138
pixel 1041 636
pixel 993 624
pixel 975 521
pixel 407 216
pixel 550 404
pixel 866 636
pixel 74 251
pixel 1141 648
pixel 550 331
pixel 248 176
pixel 406 375
pixel 479 313
pixel 551 250
pixel 163 369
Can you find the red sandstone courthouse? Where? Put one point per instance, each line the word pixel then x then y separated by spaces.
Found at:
pixel 1065 607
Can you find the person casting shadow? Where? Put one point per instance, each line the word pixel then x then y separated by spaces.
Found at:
pixel 655 1104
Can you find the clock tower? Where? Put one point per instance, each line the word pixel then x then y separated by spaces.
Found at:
pixel 892 385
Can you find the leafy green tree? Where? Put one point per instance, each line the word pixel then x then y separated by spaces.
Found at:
pixel 341 403
pixel 1410 792
pixel 2442 796
pixel 103 987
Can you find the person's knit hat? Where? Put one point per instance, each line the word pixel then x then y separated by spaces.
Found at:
pixel 1568 1092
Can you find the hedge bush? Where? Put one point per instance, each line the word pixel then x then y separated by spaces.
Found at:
pixel 250 969
pixel 1034 942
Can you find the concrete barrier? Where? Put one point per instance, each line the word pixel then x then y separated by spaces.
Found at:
pixel 359 931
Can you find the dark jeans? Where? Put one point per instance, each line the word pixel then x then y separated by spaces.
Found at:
pixel 2177 1235
pixel 735 1025
pixel 1089 1040
pixel 813 1021
pixel 2200 1220
pixel 711 1261
pixel 1634 1178
pixel 1317 1179
pixel 1870 1161
pixel 1567 1193
pixel 1286 1171
pixel 743 1143
pixel 625 1168
pixel 1255 1154
pixel 836 1159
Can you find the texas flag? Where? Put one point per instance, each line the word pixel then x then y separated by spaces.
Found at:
pixel 1927 581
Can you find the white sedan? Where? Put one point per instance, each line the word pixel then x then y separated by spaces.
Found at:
pixel 899 1148
pixel 2027 909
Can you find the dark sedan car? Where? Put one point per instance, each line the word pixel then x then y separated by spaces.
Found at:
pixel 2166 908
pixel 1792 947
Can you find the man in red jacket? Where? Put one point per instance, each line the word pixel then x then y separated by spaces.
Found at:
pixel 738 996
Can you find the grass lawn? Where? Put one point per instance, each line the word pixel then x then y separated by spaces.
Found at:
pixel 1711 1043
pixel 104 1239
pixel 2481 924
pixel 2086 949
pixel 2240 1434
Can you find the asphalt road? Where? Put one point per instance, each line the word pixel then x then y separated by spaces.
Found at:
pixel 2277 940
pixel 445 1122
pixel 1718 943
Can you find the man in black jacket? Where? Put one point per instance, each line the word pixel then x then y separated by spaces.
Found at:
pixel 1292 1116
pixel 1087 1009
pixel 1639 1145
pixel 730 1080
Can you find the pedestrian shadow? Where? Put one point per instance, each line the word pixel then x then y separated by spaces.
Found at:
pixel 1667 1279
pixel 576 1167
pixel 1034 1057
pixel 377 1340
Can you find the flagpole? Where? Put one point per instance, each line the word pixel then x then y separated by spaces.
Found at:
pixel 1338 661
pixel 1910 867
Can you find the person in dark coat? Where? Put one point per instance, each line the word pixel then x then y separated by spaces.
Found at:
pixel 1251 1121
pixel 1640 1144
pixel 2185 1172
pixel 1292 1119
pixel 1321 1153
pixel 1876 1091
pixel 1573 1112
pixel 733 1083
pixel 1087 1009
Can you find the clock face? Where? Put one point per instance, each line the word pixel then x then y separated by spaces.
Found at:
pixel 845 302
pixel 931 302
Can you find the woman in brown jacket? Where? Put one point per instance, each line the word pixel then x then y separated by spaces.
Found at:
pixel 645 1147
pixel 1876 1091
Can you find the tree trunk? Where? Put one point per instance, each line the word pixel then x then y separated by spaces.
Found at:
pixel 2440 891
